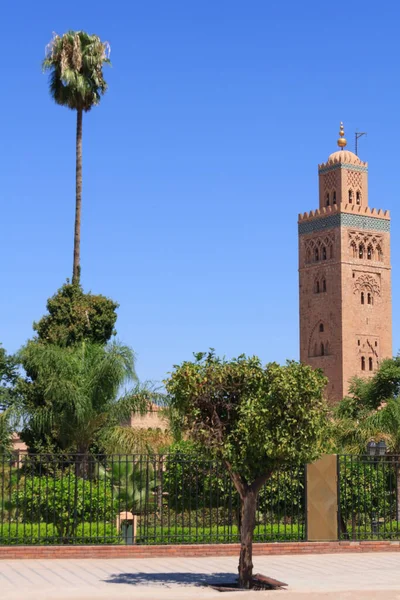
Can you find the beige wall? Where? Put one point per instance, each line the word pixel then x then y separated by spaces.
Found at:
pixel 154 420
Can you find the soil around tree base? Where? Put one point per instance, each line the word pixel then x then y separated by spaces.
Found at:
pixel 260 583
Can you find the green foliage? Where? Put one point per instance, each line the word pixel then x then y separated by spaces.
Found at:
pixel 372 411
pixel 365 490
pixel 75 61
pixel 66 502
pixel 256 419
pixel 79 385
pixel 135 484
pixel 218 534
pixel 8 397
pixel 34 534
pixel 74 317
pixel 192 481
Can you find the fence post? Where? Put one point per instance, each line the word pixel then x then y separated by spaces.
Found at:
pixel 322 499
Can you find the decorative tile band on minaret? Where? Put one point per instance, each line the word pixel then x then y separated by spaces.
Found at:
pixel 344 276
pixel 345 220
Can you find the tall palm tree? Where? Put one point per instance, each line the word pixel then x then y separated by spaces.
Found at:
pixel 75 61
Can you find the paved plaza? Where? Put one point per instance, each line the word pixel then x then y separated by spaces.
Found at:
pixel 341 576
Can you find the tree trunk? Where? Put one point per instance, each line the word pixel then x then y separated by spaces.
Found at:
pixel 76 270
pixel 248 522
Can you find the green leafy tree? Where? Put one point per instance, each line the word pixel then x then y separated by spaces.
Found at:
pixel 74 316
pixel 8 377
pixel 75 61
pixel 256 419
pixel 80 392
pixel 8 409
pixel 372 412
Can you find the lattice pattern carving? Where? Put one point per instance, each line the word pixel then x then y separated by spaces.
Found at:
pixel 330 181
pixel 366 245
pixel 319 248
pixel 354 180
pixel 367 283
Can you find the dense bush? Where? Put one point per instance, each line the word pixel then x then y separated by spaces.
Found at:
pixel 193 482
pixel 217 534
pixel 65 502
pixel 43 534
pixel 367 491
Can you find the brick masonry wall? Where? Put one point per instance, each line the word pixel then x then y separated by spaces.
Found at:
pixel 41 552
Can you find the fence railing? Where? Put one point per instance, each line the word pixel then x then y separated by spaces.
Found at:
pixel 369 497
pixel 162 499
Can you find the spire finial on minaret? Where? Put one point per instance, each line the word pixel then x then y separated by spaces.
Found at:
pixel 342 142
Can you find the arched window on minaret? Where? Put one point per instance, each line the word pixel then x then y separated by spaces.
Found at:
pixel 354 249
pixel 316 255
pixel 379 252
pixel 362 297
pixel 317 287
pixel 324 285
pixel 370 252
pixel 363 363
pixel 370 364
pixel 370 299
pixel 350 196
pixel 327 199
pixel 321 328
pixel 334 197
pixel 361 251
pixel 322 349
pixel 358 197
pixel 323 253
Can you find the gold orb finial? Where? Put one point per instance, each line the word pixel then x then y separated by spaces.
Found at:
pixel 342 142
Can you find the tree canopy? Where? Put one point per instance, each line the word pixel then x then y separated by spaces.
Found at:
pixel 80 385
pixel 371 411
pixel 75 62
pixel 255 419
pixel 74 316
pixel 8 377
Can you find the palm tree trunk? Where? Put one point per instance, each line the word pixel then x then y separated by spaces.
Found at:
pixel 76 270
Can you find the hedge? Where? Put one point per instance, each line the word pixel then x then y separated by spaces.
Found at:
pixel 46 534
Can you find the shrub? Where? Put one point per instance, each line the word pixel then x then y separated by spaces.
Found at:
pixel 65 502
pixel 47 534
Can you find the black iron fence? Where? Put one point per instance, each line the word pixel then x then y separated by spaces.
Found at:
pixel 163 499
pixel 369 497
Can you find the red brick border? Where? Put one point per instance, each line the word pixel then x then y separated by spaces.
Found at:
pixel 8 552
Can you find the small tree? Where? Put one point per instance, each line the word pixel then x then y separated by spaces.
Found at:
pixel 256 419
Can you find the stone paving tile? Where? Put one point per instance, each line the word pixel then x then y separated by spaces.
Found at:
pixel 311 576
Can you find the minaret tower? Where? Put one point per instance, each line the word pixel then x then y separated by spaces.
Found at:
pixel 344 276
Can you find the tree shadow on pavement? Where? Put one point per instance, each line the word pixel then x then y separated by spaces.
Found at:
pixel 197 579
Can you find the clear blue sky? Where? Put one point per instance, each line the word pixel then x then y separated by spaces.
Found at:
pixel 196 164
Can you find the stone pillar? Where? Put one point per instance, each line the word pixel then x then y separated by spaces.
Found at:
pixel 322 500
